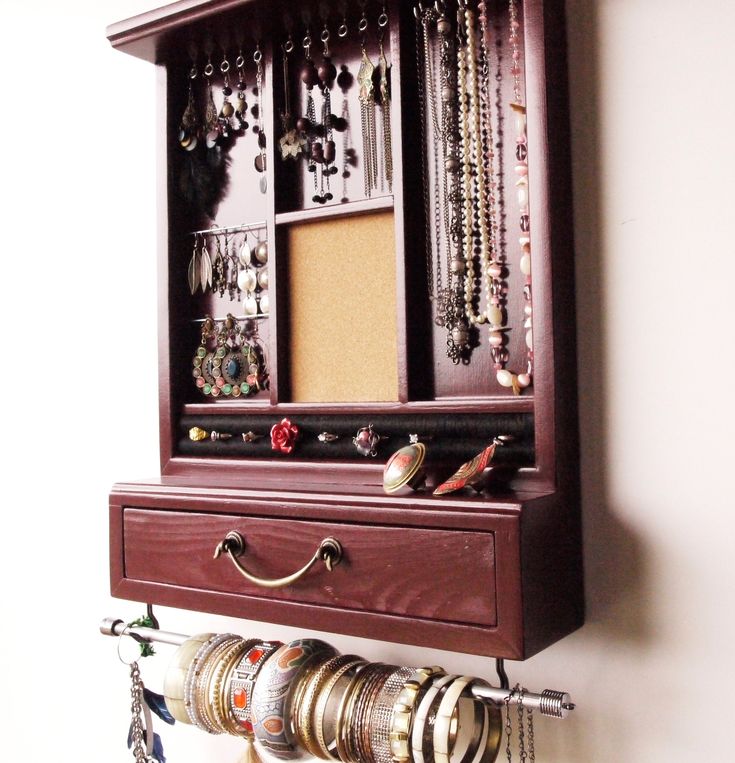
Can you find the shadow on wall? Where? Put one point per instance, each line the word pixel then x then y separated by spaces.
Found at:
pixel 616 578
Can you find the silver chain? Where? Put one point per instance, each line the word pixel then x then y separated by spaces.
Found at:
pixel 138 732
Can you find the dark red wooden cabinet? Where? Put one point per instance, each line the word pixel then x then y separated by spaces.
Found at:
pixel 495 574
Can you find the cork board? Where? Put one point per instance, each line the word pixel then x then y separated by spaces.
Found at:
pixel 342 302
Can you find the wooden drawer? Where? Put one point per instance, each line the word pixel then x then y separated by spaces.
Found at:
pixel 410 572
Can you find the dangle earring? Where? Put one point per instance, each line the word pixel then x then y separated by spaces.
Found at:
pixel 292 142
pixel 240 117
pixel 195 266
pixel 189 126
pixel 384 89
pixel 345 80
pixel 367 110
pixel 307 125
pixel 218 269
pixel 260 159
pixel 228 110
pixel 211 117
pixel 205 270
pixel 327 73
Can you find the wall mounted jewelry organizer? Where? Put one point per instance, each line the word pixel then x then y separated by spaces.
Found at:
pixel 315 158
pixel 305 699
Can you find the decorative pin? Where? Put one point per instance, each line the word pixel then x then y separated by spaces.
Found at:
pixel 367 440
pixel 327 437
pixel 472 472
pixel 284 436
pixel 196 434
pixel 405 467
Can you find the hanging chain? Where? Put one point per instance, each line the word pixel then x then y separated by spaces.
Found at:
pixel 508 729
pixel 136 708
pixel 531 748
pixel 521 735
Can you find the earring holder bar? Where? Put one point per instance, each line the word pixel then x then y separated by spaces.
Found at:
pixel 231 229
pixel 553 704
pixel 241 319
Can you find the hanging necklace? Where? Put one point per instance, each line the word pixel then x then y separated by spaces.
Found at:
pixel 384 89
pixel 446 197
pixel 505 377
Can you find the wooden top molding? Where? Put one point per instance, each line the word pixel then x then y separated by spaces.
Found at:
pixel 142 35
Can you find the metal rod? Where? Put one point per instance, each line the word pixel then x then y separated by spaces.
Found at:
pixel 236 318
pixel 111 626
pixel 554 704
pixel 231 229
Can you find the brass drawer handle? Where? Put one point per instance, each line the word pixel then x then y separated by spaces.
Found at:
pixel 329 551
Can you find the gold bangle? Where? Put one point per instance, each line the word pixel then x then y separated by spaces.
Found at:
pixel 404 711
pixel 193 675
pixel 303 708
pixel 346 710
pixel 325 744
pixel 201 691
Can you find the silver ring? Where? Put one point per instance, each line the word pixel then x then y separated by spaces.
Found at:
pixel 251 436
pixel 327 437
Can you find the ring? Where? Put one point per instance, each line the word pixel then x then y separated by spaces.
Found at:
pixel 251 436
pixel 327 437
pixel 366 441
pixel 196 434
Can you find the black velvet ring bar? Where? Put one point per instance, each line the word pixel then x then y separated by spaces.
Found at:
pixel 452 439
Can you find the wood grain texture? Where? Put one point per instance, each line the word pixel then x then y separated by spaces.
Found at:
pixel 391 570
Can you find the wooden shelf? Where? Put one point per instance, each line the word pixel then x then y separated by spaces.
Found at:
pixel 364 207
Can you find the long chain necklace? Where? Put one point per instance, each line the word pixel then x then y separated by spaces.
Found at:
pixel 525 728
pixel 444 203
pixel 505 377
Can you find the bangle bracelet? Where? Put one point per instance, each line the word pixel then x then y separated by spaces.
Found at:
pixel 192 676
pixel 381 715
pixel 326 734
pixel 238 689
pixel 420 723
pixel 363 711
pixel 345 712
pixel 303 712
pixel 270 708
pixel 173 682
pixel 479 727
pixel 218 699
pixel 201 688
pixel 404 710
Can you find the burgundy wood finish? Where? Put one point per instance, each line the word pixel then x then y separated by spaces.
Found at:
pixel 385 569
pixel 536 596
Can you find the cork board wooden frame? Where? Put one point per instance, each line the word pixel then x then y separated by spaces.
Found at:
pixel 342 310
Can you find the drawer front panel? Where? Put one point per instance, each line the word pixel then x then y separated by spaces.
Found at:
pixel 444 575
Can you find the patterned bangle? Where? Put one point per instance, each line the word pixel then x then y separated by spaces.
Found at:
pixel 404 711
pixel 326 734
pixel 381 715
pixel 270 707
pixel 238 689
pixel 218 701
pixel 192 676
pixel 359 742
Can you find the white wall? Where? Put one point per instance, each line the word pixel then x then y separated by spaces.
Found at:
pixel 652 97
